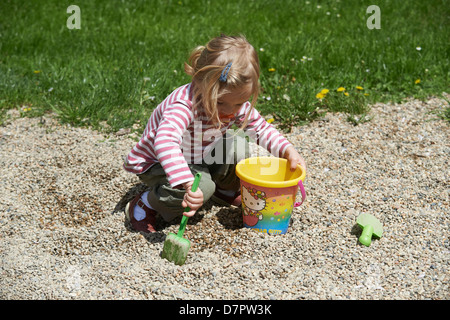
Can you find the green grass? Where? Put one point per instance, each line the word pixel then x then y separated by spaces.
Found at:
pixel 128 55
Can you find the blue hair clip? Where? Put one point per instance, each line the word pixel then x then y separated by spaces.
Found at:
pixel 223 76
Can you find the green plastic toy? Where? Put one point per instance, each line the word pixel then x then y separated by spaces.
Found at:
pixel 370 226
pixel 176 247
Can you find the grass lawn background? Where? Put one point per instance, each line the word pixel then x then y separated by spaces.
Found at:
pixel 129 55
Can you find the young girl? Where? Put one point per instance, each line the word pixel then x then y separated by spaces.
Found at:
pixel 187 133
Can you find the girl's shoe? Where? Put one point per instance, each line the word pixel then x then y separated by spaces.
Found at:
pixel 147 224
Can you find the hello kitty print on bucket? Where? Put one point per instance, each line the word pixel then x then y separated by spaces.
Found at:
pixel 268 192
pixel 254 202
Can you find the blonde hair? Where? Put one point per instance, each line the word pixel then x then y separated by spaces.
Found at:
pixel 206 64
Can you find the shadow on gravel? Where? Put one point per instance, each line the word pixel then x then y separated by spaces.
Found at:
pixel 356 231
pixel 128 196
pixel 230 218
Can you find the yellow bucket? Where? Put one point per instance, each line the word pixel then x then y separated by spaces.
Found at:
pixel 268 192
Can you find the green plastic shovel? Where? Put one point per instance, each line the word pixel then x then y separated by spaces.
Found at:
pixel 176 247
pixel 370 226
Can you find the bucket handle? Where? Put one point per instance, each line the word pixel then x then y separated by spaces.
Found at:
pixel 302 190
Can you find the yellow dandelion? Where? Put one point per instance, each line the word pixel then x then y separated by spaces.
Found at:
pixel 417 81
pixel 324 91
pixel 270 120
pixel 320 95
pixel 340 89
pixel 346 93
pixel 271 69
pixel 359 88
pixel 37 71
pixel 366 94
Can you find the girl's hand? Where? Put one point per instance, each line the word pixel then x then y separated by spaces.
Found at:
pixel 193 200
pixel 294 158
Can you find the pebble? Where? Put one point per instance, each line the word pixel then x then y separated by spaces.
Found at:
pixel 63 234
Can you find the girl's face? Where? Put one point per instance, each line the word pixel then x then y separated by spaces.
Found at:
pixel 230 103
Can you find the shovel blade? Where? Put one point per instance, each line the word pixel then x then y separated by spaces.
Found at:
pixel 176 249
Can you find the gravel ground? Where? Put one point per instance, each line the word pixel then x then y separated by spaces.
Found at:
pixel 63 234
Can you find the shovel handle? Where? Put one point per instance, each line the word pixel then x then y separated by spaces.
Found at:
pixel 366 235
pixel 184 220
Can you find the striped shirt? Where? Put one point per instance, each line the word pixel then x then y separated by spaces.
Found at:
pixel 176 135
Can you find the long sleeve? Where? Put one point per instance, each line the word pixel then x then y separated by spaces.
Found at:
pixel 162 137
pixel 167 143
pixel 264 134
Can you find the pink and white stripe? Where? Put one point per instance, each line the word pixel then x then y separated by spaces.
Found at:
pixel 173 126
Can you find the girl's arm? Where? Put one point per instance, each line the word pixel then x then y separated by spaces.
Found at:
pixel 264 134
pixel 270 138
